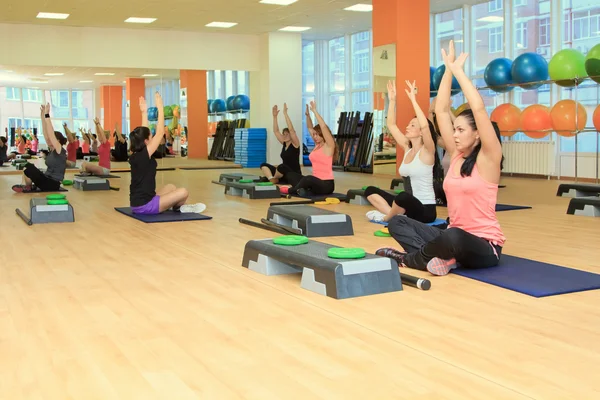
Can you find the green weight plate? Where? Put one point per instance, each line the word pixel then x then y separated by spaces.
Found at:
pixel 264 184
pixel 398 191
pixel 67 182
pixel 381 234
pixel 55 197
pixel 246 181
pixel 346 252
pixel 290 240
pixel 57 202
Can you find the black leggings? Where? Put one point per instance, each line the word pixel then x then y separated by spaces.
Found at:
pixel 41 181
pixel 413 207
pixel 308 183
pixel 423 242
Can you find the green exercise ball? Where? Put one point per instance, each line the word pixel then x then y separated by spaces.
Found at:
pixel 565 66
pixel 592 63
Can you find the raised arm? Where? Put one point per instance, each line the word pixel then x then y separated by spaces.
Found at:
pixel 120 137
pixel 329 139
pixel 490 145
pixel 391 117
pixel 442 105
pixel 276 130
pixel 68 133
pixel 100 131
pixel 144 110
pixel 428 142
pixel 48 129
pixel 160 125
pixel 288 121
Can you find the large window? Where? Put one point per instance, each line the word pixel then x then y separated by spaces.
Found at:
pixel 361 75
pixel 308 86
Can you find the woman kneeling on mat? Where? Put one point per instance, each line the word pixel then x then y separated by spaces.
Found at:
pixel 420 164
pixel 103 166
pixel 321 181
pixel 474 238
pixel 143 196
pixel 290 153
pixel 56 160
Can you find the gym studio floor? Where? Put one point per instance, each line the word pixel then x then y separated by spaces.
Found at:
pixel 109 307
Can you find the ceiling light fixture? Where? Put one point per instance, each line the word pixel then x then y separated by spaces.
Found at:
pixel 86 81
pixel 45 15
pixel 104 73
pixel 295 28
pixel 138 20
pixel 278 2
pixel 54 74
pixel 491 18
pixel 221 24
pixel 360 8
pixel 149 75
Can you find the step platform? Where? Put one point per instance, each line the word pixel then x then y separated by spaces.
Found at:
pixel 43 213
pixel 252 190
pixel 397 184
pixel 91 183
pixel 23 157
pixel 311 221
pixel 586 206
pixel 91 158
pixel 336 278
pixel 577 190
pixel 224 178
pixel 357 196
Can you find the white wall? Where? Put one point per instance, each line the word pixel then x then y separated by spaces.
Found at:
pixel 278 81
pixel 44 45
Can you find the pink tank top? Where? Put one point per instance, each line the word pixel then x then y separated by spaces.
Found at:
pixel 21 147
pixel 104 155
pixel 322 164
pixel 85 147
pixel 72 151
pixel 472 204
pixel 34 145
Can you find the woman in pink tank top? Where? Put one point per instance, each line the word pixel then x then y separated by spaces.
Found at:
pixel 325 151
pixel 103 166
pixel 473 238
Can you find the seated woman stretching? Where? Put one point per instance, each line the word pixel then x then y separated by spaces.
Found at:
pixel 72 147
pixel 21 141
pixel 474 238
pixel 3 150
pixel 103 166
pixel 290 152
pixel 321 181
pixel 143 196
pixel 119 153
pixel 56 160
pixel 420 163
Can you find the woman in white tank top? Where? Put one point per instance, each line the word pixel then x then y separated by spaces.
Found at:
pixel 418 201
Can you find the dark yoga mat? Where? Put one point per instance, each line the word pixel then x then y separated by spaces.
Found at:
pixel 97 176
pixel 533 278
pixel 60 189
pixel 509 207
pixel 321 197
pixel 437 222
pixel 167 216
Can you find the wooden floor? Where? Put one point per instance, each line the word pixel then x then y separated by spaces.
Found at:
pixel 111 308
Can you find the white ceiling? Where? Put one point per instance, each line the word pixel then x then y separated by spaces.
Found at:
pixel 24 76
pixel 327 18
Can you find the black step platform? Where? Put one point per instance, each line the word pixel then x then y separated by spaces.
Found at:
pixel 357 196
pixel 252 190
pixel 577 190
pixel 311 221
pixel 586 206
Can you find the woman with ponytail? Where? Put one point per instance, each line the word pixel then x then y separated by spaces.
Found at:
pixel 473 238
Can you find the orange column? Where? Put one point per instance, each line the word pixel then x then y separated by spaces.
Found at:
pixel 134 89
pixel 405 23
pixel 111 99
pixel 194 83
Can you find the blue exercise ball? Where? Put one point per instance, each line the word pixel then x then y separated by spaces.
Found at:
pixel 209 102
pixel 432 89
pixel 437 79
pixel 498 74
pixel 152 114
pixel 241 102
pixel 529 67
pixel 218 106
pixel 229 103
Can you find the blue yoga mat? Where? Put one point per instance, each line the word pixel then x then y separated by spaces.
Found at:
pixel 533 278
pixel 438 221
pixel 167 216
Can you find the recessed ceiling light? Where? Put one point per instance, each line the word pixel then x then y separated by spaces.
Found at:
pixel 104 73
pixel 86 81
pixel 360 7
pixel 8 71
pixel 138 20
pixel 491 18
pixel 52 15
pixel 54 74
pixel 221 24
pixel 278 2
pixel 149 75
pixel 295 28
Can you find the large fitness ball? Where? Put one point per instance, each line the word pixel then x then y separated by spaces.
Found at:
pixel 168 111
pixel 218 106
pixel 437 79
pixel 565 66
pixel 534 119
pixel 152 114
pixel 508 118
pixel 592 63
pixel 241 102
pixel 529 67
pixel 596 118
pixel 568 116
pixel 229 103
pixel 498 73
pixel 209 102
pixel 432 89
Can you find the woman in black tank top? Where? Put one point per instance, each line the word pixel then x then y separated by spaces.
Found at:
pixel 290 152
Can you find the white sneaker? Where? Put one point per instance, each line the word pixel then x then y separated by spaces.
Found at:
pixel 193 208
pixel 375 216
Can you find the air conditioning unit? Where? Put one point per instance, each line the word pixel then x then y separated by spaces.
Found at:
pixel 543 51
